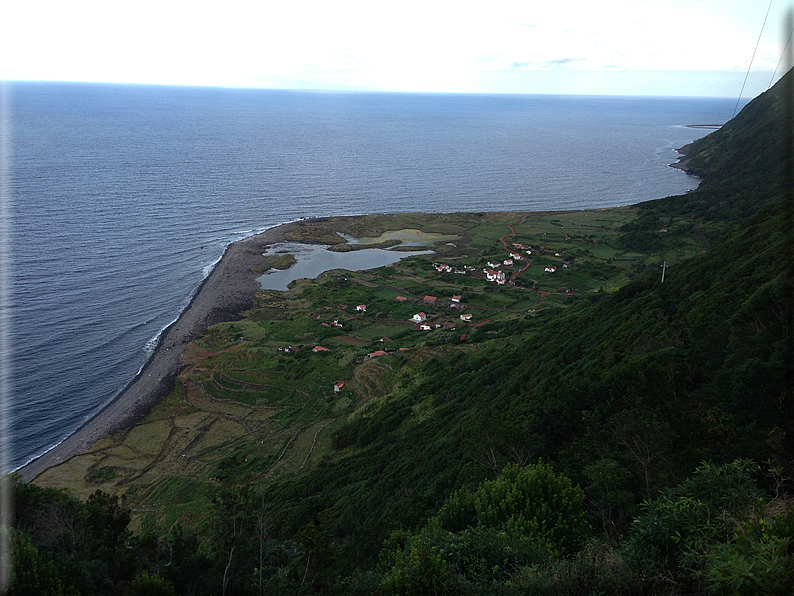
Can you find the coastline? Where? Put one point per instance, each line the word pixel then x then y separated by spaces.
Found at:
pixel 228 290
pixel 683 162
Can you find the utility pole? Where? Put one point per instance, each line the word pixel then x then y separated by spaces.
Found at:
pixel 664 266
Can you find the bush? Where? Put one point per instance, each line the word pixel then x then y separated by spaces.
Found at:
pixel 525 517
pixel 713 529
pixel 754 568
pixel 530 501
pixel 151 585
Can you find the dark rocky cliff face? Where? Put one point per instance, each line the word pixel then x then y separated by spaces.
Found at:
pixel 684 163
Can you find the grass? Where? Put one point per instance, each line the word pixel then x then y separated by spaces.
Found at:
pixel 222 430
pixel 148 438
pixel 603 251
pixel 377 331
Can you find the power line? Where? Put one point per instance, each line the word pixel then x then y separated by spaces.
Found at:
pixel 782 55
pixel 738 99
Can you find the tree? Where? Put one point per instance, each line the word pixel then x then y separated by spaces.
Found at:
pixel 608 496
pixel 151 585
pixel 232 523
pixel 525 516
pixel 34 574
pixel 645 438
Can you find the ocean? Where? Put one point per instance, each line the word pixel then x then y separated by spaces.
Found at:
pixel 123 197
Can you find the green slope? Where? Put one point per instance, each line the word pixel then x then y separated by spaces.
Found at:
pixel 647 383
pixel 742 165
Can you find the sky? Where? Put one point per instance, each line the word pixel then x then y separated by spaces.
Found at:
pixel 609 47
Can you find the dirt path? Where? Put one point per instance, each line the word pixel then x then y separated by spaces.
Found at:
pixel 541 293
pixel 510 250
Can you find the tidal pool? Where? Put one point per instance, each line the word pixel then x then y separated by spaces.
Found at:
pixel 312 260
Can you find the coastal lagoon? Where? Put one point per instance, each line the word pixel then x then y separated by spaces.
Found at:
pixel 312 260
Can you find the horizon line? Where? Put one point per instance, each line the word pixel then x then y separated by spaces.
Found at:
pixel 372 91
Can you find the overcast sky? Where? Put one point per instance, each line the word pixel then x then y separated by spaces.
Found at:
pixel 631 47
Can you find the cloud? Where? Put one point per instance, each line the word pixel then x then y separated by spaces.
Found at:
pixel 560 61
pixel 546 63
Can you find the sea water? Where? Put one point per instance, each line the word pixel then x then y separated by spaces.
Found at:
pixel 123 197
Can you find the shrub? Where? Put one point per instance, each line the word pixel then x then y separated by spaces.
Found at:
pixel 530 501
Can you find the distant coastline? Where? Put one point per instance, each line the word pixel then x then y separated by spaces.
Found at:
pixel 227 291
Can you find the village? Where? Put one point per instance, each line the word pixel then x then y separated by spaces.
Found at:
pixel 437 313
pixel 274 386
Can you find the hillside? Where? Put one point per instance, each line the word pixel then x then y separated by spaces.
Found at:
pixel 742 166
pixel 591 429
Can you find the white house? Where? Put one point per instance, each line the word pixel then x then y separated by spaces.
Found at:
pixel 419 317
pixel 497 276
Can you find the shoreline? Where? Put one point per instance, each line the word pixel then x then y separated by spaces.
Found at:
pixel 228 290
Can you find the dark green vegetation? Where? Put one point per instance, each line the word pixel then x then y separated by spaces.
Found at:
pixel 629 441
pixel 743 167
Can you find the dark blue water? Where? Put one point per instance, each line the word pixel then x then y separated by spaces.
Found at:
pixel 124 196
